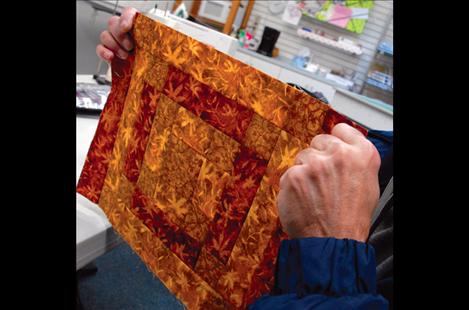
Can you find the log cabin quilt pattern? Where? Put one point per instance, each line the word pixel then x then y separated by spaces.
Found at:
pixel 186 162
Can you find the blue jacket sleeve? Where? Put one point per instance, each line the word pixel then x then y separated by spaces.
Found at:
pixel 324 273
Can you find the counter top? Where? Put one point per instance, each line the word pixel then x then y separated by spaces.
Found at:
pixel 375 103
pixel 286 63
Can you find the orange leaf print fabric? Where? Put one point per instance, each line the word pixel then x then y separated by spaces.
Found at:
pixel 186 163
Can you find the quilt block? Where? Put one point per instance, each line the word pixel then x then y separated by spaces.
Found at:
pixel 186 163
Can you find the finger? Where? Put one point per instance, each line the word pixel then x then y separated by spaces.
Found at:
pixel 127 19
pixel 348 134
pixel 120 36
pixel 108 41
pixel 323 142
pixel 305 156
pixel 104 53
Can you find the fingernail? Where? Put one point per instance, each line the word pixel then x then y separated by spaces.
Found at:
pixel 124 24
pixel 128 45
pixel 122 54
pixel 108 55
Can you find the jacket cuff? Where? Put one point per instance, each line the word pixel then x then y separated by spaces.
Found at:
pixel 329 266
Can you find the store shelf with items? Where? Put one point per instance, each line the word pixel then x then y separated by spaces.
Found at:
pixel 379 82
pixel 379 85
pixel 385 48
pixel 342 44
pixel 376 91
pixel 347 16
pixel 384 57
pixel 380 79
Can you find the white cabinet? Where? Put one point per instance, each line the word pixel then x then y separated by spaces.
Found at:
pixel 371 116
pixel 266 67
pixel 243 57
pixel 261 65
pixel 288 76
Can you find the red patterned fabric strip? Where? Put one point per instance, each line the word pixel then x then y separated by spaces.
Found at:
pixel 248 171
pixel 95 168
pixel 333 118
pixel 142 129
pixel 184 246
pixel 263 278
pixel 211 106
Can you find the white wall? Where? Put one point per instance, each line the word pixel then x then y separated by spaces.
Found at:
pixel 90 24
pixel 390 33
pixel 289 42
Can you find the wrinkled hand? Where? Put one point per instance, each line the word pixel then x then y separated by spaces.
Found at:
pixel 116 41
pixel 332 190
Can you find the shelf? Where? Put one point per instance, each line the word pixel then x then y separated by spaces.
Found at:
pixel 337 45
pixel 324 23
pixel 383 52
pixel 385 49
pixel 379 85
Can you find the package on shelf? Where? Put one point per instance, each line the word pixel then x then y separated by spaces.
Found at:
pixel 381 77
pixel 341 44
pixel 379 84
pixel 386 47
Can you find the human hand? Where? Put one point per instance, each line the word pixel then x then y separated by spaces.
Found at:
pixel 116 41
pixel 332 190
